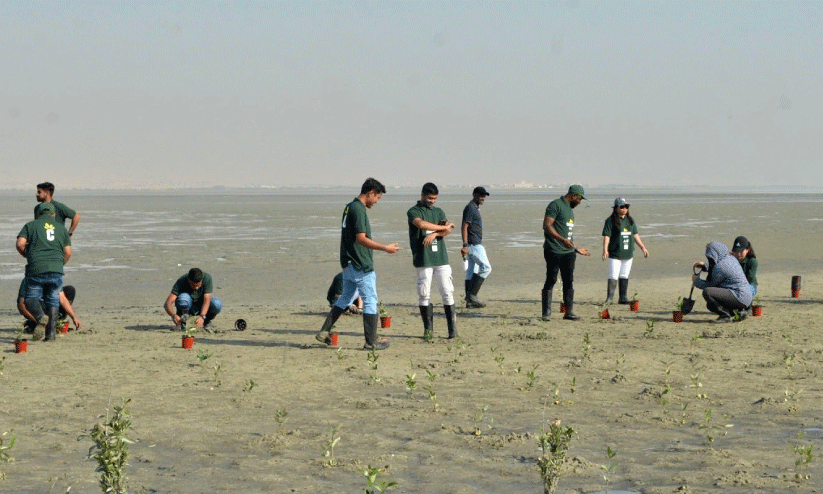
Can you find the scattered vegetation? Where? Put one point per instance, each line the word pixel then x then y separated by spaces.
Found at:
pixel 111 449
pixel 5 457
pixel 331 442
pixel 554 443
pixel 373 485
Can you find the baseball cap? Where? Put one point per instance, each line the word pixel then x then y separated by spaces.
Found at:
pixel 480 191
pixel 577 189
pixel 44 208
pixel 621 201
pixel 740 244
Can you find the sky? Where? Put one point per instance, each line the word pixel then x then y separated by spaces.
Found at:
pixel 149 94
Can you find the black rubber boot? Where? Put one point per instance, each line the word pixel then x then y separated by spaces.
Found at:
pixel 51 327
pixel 451 320
pixel 324 335
pixel 546 304
pixel 612 284
pixel 624 291
pixel 370 324
pixel 568 299
pixel 36 309
pixel 427 314
pixel 472 302
pixel 468 283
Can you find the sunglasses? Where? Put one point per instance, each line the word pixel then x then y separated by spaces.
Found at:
pixel 623 207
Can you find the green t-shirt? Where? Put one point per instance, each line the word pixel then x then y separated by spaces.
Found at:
pixel 355 221
pixel 46 240
pixel 563 216
pixel 426 255
pixel 182 286
pixel 61 212
pixel 749 266
pixel 621 239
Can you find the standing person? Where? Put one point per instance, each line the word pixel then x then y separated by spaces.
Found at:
pixel 559 250
pixel 44 193
pixel 427 228
pixel 472 233
pixel 743 251
pixel 46 245
pixel 356 246
pixel 192 295
pixel 619 237
pixel 725 288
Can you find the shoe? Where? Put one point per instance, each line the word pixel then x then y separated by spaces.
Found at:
pixel 568 299
pixel 624 291
pixel 610 286
pixel 378 345
pixel 722 319
pixel 29 325
pixel 39 330
pixel 373 342
pixel 427 314
pixel 546 304
pixel 472 302
pixel 324 335
pixel 324 338
pixel 451 321
pixel 209 327
pixel 51 327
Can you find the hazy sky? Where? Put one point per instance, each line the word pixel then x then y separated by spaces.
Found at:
pixel 100 94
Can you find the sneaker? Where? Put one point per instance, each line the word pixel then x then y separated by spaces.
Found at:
pixel 722 319
pixel 28 326
pixel 380 344
pixel 323 337
pixel 209 327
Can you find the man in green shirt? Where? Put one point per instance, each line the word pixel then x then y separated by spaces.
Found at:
pixel 356 246
pixel 559 249
pixel 192 295
pixel 46 245
pixel 44 193
pixel 427 228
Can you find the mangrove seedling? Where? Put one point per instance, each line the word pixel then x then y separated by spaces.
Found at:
pixel 411 383
pixel 609 468
pixel 5 457
pixel 804 457
pixel 430 387
pixel 554 444
pixel 281 416
pixel 373 486
pixel 371 357
pixel 678 304
pixel 111 449
pixel 331 442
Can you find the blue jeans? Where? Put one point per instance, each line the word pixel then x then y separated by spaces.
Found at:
pixel 477 257
pixel 185 305
pixel 361 282
pixel 45 287
pixel 754 290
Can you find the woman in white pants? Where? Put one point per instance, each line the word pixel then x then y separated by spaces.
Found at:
pixel 619 237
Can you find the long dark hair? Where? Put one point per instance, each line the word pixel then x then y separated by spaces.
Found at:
pixel 750 254
pixel 616 218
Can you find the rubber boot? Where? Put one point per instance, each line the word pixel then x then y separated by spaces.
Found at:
pixel 546 303
pixel 427 314
pixel 624 291
pixel 370 324
pixel 451 320
pixel 568 299
pixel 472 302
pixel 612 284
pixel 36 309
pixel 324 336
pixel 468 288
pixel 51 327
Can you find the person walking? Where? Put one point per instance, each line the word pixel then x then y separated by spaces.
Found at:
pixel 619 237
pixel 428 228
pixel 46 245
pixel 559 250
pixel 473 251
pixel 356 246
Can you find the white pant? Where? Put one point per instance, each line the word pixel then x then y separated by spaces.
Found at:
pixel 620 268
pixel 444 281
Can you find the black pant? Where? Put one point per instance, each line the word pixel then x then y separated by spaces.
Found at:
pixel 564 263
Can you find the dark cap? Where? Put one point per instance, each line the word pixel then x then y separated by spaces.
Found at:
pixel 44 208
pixel 577 189
pixel 480 191
pixel 621 201
pixel 740 244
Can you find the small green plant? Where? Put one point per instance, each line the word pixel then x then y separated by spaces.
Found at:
pixel 372 357
pixel 381 309
pixel 281 416
pixel 203 355
pixel 411 383
pixel 649 328
pixel 373 486
pixel 531 376
pixel 5 457
pixel 712 430
pixel 498 358
pixel 634 297
pixel 250 385
pixel 792 396
pixel 217 371
pixel 2 365
pixel 587 345
pixel 20 334
pixel 189 326
pixel 805 455
pixel 430 387
pixel 340 354
pixel 111 449
pixel 683 414
pixel 756 300
pixel 610 467
pixel 678 304
pixel 554 444
pixel 479 416
pixel 331 442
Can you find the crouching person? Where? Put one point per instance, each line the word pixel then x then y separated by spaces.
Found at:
pixel 192 295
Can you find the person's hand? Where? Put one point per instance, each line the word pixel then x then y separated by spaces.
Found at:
pixel 645 252
pixel 428 239
pixel 568 243
pixel 464 252
pixel 604 255
pixel 76 322
pixel 698 264
pixel 583 252
pixel 392 248
pixel 200 321
pixel 175 319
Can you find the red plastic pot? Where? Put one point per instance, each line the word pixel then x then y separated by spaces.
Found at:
pixel 385 321
pixel 21 346
pixel 562 307
pixel 677 315
pixel 604 314
pixel 188 342
pixel 757 310
pixel 65 327
pixel 634 305
pixel 334 338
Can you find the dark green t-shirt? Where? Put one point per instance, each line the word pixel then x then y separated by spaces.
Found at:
pixel 621 239
pixel 355 221
pixel 61 212
pixel 46 240
pixel 182 286
pixel 749 266
pixel 426 255
pixel 563 216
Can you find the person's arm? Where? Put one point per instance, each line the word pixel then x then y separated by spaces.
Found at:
pixel 74 221
pixel 640 244
pixel 548 228
pixel 464 232
pixel 606 246
pixel 21 246
pixel 170 309
pixel 23 310
pixel 437 230
pixel 203 310
pixel 368 243
pixel 64 303
pixel 66 254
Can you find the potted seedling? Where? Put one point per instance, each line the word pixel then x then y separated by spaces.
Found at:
pixel 677 313
pixel 604 311
pixel 385 319
pixel 63 324
pixel 562 307
pixel 21 344
pixel 757 309
pixel 634 305
pixel 189 329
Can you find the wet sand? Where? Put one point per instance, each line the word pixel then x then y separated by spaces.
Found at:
pixel 196 430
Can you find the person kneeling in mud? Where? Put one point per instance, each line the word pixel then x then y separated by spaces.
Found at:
pixel 725 288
